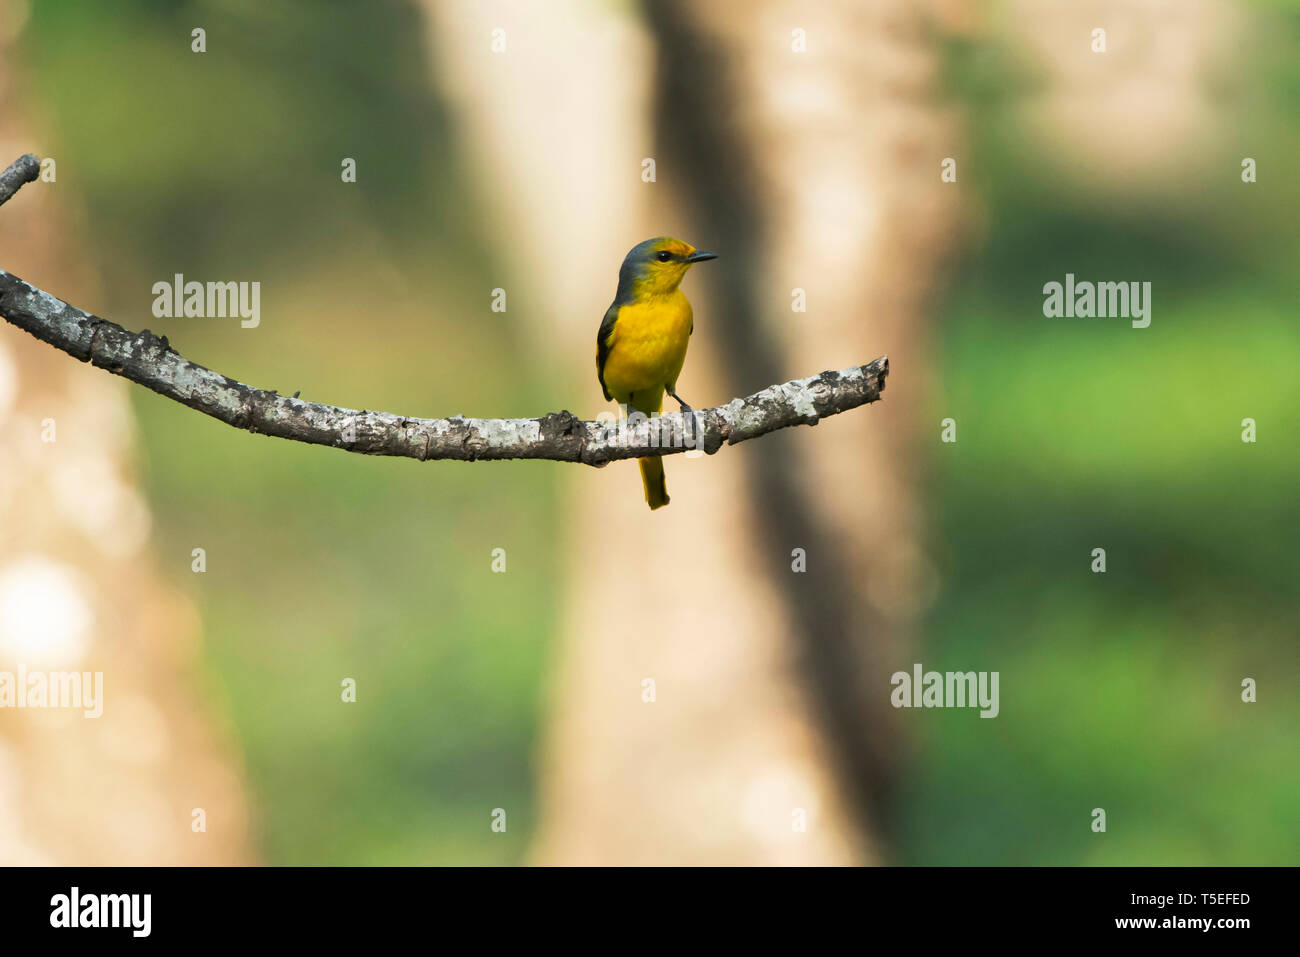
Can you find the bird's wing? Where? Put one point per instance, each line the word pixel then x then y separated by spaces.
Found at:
pixel 603 344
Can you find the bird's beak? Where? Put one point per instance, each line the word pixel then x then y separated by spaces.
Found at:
pixel 701 256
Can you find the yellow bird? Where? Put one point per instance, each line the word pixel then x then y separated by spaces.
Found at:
pixel 642 340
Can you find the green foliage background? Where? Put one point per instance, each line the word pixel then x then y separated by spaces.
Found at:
pixel 323 565
pixel 1118 691
pixel 1121 690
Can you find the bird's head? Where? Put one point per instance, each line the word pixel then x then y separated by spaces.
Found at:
pixel 656 266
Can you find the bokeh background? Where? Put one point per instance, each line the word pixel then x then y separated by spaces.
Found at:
pixel 803 142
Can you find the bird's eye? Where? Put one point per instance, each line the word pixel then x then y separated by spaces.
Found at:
pixel 664 256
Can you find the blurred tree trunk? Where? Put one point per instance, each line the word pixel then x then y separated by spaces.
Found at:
pixel 817 170
pixel 79 590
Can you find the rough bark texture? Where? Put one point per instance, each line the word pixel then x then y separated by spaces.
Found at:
pixel 25 169
pixel 150 361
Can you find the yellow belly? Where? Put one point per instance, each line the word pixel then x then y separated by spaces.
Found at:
pixel 647 350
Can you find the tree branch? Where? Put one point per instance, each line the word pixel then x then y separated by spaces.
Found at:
pixel 150 361
pixel 23 170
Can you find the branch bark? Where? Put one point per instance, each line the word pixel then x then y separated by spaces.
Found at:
pixel 23 170
pixel 150 361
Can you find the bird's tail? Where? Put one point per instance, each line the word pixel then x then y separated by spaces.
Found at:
pixel 652 477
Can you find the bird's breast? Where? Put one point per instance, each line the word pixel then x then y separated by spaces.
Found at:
pixel 649 343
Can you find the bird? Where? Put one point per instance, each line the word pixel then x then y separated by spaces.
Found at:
pixel 642 341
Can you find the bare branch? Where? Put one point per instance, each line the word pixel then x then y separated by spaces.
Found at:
pixel 151 362
pixel 24 169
